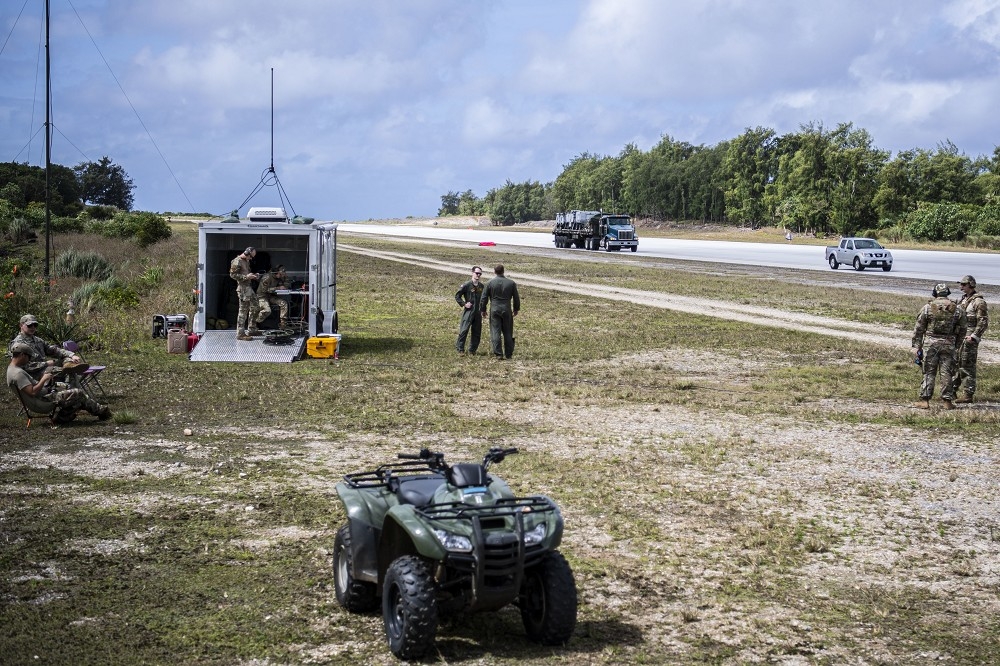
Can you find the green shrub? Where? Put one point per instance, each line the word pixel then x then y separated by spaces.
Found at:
pixel 941 221
pixel 988 220
pixel 144 228
pixel 100 212
pixel 86 265
pixel 65 225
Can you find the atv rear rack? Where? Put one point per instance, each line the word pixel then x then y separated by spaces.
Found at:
pixel 382 475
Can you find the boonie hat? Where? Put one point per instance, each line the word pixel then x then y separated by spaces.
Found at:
pixel 29 319
pixel 20 348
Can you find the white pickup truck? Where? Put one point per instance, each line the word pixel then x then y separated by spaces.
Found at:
pixel 861 253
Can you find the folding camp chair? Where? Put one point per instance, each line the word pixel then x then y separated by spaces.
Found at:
pixel 27 411
pixel 88 380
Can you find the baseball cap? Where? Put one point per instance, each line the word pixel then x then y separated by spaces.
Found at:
pixel 29 319
pixel 20 348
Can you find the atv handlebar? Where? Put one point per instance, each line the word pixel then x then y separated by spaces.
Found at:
pixel 496 454
pixel 435 460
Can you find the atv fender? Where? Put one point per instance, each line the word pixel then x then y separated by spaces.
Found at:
pixel 365 513
pixel 405 533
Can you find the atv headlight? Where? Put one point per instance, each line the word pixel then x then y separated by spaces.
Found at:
pixel 454 542
pixel 534 536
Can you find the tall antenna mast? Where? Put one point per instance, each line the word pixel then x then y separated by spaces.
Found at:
pixel 272 117
pixel 48 144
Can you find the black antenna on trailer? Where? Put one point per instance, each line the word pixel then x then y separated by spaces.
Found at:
pixel 270 177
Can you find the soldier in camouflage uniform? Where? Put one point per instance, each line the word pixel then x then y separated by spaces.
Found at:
pixel 266 296
pixel 44 396
pixel 468 297
pixel 978 320
pixel 942 321
pixel 246 318
pixel 40 349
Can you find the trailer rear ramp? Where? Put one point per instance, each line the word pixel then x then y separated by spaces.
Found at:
pixel 223 346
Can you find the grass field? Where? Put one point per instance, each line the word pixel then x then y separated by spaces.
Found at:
pixel 732 493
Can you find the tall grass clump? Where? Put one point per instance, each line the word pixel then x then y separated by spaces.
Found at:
pixel 85 265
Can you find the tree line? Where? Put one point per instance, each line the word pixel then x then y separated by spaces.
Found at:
pixel 100 183
pixel 815 180
pixel 95 197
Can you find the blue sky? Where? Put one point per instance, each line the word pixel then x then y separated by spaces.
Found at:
pixel 382 106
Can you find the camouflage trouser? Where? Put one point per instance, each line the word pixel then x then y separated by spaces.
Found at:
pixel 69 401
pixel 264 308
pixel 967 355
pixel 939 355
pixel 247 316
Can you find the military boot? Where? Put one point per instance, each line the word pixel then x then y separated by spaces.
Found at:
pixel 283 324
pixel 947 404
pixel 922 404
pixel 964 400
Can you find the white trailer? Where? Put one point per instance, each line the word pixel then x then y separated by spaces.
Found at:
pixel 308 251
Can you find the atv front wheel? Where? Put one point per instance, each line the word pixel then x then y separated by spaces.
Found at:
pixel 548 601
pixel 355 595
pixel 409 607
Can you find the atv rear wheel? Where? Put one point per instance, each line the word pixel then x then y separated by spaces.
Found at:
pixel 354 595
pixel 409 607
pixel 548 601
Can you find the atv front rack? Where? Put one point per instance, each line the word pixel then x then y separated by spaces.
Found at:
pixel 495 567
pixel 501 508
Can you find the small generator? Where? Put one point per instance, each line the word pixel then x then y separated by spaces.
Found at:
pixel 163 323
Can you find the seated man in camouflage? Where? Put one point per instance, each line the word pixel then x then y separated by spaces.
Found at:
pixel 267 296
pixel 43 396
pixel 63 360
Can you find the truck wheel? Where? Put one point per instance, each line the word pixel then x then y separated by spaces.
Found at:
pixel 887 267
pixel 635 247
pixel 857 264
pixel 409 607
pixel 548 601
pixel 354 595
pixel 834 264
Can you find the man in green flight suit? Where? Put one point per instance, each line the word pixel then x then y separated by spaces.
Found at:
pixel 943 323
pixel 468 297
pixel 506 304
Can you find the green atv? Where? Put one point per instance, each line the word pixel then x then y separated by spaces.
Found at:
pixel 426 539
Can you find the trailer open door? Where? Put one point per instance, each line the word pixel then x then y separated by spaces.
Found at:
pixel 323 280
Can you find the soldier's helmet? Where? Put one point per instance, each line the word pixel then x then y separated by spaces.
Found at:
pixel 969 280
pixel 940 289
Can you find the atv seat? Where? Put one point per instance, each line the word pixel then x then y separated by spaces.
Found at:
pixel 467 475
pixel 418 490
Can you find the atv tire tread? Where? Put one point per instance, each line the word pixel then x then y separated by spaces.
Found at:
pixel 354 595
pixel 409 607
pixel 548 601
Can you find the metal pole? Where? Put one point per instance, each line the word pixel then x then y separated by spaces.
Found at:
pixel 48 144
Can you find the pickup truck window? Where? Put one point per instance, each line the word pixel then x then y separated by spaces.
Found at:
pixel 865 245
